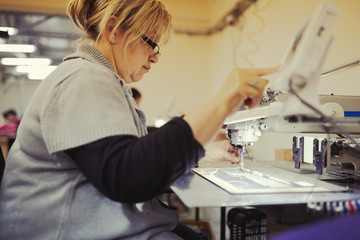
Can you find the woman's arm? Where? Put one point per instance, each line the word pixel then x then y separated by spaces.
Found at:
pixel 131 169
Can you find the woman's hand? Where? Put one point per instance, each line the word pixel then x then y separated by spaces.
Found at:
pixel 220 151
pixel 243 86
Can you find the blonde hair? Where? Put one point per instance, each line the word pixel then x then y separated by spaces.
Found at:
pixel 135 17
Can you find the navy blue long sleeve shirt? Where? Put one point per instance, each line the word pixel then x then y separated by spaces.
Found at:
pixel 130 169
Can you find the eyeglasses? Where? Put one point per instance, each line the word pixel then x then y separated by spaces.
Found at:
pixel 154 46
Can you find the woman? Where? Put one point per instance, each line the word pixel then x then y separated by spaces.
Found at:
pixel 82 166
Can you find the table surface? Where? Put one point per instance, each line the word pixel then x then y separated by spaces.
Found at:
pixel 196 191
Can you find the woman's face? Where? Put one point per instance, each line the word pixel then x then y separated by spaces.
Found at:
pixel 136 61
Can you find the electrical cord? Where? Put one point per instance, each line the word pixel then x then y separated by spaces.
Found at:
pixel 250 35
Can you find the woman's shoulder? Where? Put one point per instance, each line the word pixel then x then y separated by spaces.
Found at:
pixel 84 71
pixel 84 66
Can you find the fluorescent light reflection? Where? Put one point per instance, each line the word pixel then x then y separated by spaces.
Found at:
pixel 24 48
pixel 26 61
pixel 159 122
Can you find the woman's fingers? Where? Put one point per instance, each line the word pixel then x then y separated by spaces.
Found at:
pixel 255 92
pixel 264 71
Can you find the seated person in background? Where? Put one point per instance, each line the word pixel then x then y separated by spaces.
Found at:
pixel 9 128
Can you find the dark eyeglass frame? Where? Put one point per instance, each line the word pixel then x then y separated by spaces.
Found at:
pixel 152 44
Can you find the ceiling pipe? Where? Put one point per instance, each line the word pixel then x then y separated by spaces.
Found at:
pixel 229 19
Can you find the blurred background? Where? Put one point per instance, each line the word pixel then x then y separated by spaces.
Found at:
pixel 211 38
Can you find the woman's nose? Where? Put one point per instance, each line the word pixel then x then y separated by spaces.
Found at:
pixel 154 58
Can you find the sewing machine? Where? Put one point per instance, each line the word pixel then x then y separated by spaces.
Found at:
pixel 244 128
pixel 295 106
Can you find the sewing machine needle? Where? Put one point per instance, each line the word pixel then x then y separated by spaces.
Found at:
pixel 242 164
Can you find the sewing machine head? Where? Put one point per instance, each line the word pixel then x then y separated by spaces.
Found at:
pixel 299 75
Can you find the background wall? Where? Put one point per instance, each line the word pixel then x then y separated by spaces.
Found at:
pixel 261 39
pixel 192 68
pixel 180 79
pixel 16 94
pixel 272 23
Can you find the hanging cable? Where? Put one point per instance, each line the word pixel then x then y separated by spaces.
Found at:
pixel 250 35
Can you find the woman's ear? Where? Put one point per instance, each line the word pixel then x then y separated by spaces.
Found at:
pixel 110 32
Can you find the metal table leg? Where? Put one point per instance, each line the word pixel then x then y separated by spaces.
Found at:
pixel 222 223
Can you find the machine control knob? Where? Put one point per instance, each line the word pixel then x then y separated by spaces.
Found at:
pixel 263 127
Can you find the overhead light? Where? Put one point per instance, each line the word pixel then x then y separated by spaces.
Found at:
pixel 26 61
pixel 25 48
pixel 9 30
pixel 38 75
pixel 29 69
pixel 36 72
